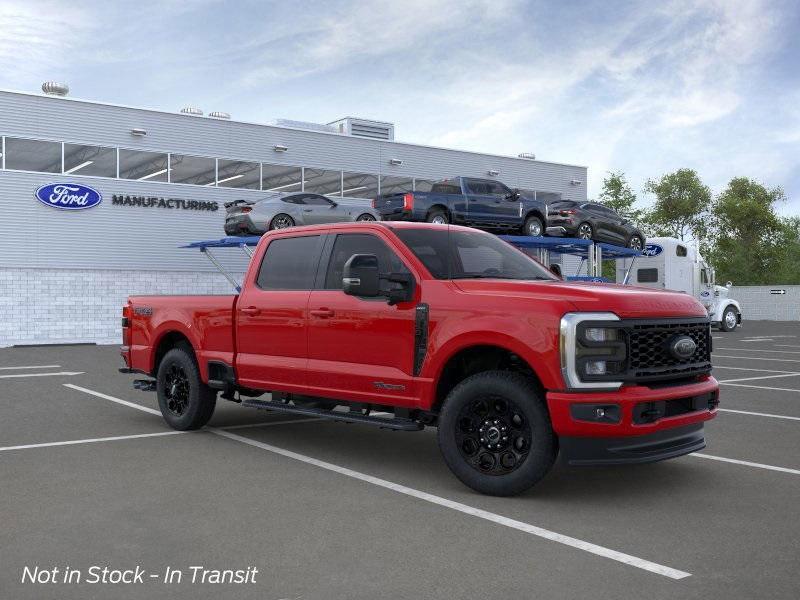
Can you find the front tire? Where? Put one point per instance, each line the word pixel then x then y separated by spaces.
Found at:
pixel 495 433
pixel 635 242
pixel 185 401
pixel 729 320
pixel 533 227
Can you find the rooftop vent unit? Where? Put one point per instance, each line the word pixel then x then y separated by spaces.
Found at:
pixel 192 110
pixel 527 155
pixel 375 130
pixel 53 88
pixel 219 115
pixel 303 125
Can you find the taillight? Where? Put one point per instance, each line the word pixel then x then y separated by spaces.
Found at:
pixel 571 211
pixel 408 201
pixel 374 203
pixel 126 325
pixel 246 209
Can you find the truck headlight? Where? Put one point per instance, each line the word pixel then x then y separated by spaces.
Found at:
pixel 593 350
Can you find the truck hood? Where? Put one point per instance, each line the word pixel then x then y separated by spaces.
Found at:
pixel 625 301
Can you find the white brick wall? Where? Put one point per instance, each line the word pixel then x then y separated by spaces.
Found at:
pixel 57 306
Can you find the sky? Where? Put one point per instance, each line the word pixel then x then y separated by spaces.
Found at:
pixel 639 87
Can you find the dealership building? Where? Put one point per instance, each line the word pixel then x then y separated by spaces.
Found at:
pixel 161 180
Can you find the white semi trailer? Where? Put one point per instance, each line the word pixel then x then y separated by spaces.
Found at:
pixel 669 263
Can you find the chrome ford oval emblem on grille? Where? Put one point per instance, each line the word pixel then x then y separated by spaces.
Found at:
pixel 682 347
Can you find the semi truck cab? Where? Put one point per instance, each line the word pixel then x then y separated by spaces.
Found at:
pixel 672 264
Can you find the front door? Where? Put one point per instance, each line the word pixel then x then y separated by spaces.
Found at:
pixel 319 209
pixel 488 204
pixel 360 348
pixel 271 315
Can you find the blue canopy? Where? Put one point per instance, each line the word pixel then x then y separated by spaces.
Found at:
pixel 226 242
pixel 568 246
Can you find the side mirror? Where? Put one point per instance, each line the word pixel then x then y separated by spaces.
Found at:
pixel 334 204
pixel 514 195
pixel 402 287
pixel 361 276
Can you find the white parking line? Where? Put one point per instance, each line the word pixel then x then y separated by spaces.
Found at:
pixel 758 358
pixel 476 512
pixel 760 377
pixel 62 373
pixel 761 387
pixel 758 414
pixel 752 369
pixel 746 463
pixel 466 509
pixel 30 367
pixel 91 440
pixel 152 411
pixel 760 350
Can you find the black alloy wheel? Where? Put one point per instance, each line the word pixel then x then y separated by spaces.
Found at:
pixel 176 389
pixel 185 401
pixel 366 217
pixel 493 435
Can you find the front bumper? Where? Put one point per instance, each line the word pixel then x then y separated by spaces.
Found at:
pixel 638 422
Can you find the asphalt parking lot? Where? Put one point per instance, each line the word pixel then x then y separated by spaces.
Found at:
pixel 91 476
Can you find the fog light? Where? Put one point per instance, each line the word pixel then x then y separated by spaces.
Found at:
pixel 596 367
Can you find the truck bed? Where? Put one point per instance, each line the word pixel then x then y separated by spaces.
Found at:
pixel 207 322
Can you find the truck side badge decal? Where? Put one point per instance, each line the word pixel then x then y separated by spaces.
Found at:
pixel 420 337
pixel 388 386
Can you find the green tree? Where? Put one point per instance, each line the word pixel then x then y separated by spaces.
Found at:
pixel 751 244
pixel 618 195
pixel 681 206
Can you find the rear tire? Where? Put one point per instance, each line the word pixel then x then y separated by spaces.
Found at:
pixel 437 215
pixel 365 217
pixel 281 221
pixel 730 319
pixel 533 227
pixel 185 401
pixel 585 231
pixel 495 433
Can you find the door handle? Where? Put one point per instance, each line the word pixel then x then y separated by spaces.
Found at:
pixel 322 313
pixel 307 210
pixel 250 310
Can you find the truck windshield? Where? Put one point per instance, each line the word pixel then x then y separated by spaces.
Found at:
pixel 457 254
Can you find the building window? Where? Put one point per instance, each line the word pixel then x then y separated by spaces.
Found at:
pixel 90 160
pixel 325 182
pixel 423 185
pixel 238 174
pixel 359 185
pixel 280 178
pixel 396 185
pixel 196 170
pixel 143 166
pixel 33 155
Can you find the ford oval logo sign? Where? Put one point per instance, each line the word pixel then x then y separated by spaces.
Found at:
pixel 652 250
pixel 682 347
pixel 68 196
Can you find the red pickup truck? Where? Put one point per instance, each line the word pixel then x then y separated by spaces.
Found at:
pixel 443 326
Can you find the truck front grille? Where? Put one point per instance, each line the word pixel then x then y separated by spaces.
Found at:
pixel 649 356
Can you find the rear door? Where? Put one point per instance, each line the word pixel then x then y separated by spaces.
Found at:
pixel 360 348
pixel 271 315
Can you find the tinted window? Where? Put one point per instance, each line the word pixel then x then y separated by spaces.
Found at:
pixel 647 275
pixel 299 199
pixel 315 200
pixel 347 245
pixel 478 187
pixel 458 254
pixel 680 250
pixel 446 187
pixel 497 189
pixel 290 264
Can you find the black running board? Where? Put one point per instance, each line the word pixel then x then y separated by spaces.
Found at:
pixel 399 424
